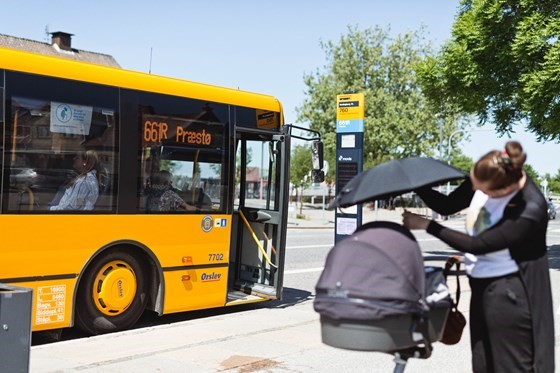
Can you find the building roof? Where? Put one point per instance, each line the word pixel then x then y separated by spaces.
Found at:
pixel 55 49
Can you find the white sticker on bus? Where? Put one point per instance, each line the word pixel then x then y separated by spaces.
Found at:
pixel 51 304
pixel 70 119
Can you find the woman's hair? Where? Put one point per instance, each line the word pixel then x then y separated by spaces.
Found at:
pixel 91 162
pixel 501 168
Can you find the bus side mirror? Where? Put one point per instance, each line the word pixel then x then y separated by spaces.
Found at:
pixel 317 155
pixel 317 173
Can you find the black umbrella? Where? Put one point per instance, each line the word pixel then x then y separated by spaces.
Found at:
pixel 394 178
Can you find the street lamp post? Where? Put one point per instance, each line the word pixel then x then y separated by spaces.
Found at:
pixel 449 144
pixel 440 138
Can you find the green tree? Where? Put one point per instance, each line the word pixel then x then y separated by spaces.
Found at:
pixel 300 163
pixel 398 120
pixel 530 170
pixel 461 161
pixel 554 183
pixel 502 65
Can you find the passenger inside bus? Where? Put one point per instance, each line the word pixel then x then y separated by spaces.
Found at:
pixel 82 191
pixel 162 196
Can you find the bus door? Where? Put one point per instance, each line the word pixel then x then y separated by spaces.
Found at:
pixel 260 214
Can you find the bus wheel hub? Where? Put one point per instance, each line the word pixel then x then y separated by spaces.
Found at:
pixel 114 288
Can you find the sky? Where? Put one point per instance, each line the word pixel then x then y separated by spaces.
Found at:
pixel 255 45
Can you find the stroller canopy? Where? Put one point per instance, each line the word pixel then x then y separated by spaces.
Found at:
pixel 376 272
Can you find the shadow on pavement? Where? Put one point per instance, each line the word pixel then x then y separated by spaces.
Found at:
pixel 291 297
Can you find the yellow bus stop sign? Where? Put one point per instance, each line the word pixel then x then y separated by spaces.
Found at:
pixel 350 112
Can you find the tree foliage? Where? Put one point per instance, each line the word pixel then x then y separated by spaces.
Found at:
pixel 300 164
pixel 502 65
pixel 462 162
pixel 398 120
pixel 531 172
pixel 300 168
pixel 553 183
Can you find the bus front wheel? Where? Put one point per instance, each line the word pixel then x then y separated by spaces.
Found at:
pixel 112 294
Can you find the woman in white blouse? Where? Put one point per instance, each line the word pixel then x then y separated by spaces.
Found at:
pixel 81 193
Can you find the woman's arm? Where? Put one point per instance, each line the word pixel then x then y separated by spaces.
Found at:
pixel 64 201
pixel 456 201
pixel 80 196
pixel 87 192
pixel 504 235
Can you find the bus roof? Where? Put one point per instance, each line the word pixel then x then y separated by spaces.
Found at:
pixel 32 63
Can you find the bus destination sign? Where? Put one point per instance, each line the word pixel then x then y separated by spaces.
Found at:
pixel 158 130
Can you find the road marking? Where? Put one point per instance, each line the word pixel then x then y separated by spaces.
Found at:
pixel 558 312
pixel 308 270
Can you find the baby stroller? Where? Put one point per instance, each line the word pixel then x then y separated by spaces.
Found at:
pixel 375 294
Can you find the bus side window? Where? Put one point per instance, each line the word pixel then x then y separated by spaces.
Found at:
pixel 45 134
pixel 188 138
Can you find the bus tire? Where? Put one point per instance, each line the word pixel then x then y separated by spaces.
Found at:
pixel 111 295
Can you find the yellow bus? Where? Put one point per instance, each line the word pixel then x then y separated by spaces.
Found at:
pixel 224 153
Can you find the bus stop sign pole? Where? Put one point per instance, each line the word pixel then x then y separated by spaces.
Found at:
pixel 349 157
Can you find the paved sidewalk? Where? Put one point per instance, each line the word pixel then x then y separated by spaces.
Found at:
pixel 281 339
